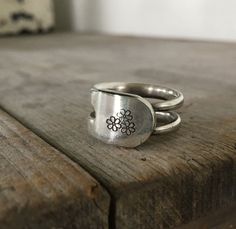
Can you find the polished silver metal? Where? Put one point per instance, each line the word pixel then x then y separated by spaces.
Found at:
pixel 173 98
pixel 123 117
pixel 171 118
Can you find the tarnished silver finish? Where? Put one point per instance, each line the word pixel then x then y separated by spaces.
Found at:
pixel 123 117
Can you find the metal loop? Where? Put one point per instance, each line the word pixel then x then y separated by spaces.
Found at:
pixel 172 119
pixel 174 99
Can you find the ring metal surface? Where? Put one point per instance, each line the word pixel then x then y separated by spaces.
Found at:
pixel 171 119
pixel 173 99
pixel 123 117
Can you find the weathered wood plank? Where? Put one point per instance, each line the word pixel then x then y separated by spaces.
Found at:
pixel 41 188
pixel 224 218
pixel 171 179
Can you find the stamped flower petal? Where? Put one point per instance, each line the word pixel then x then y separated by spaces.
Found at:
pixel 114 128
pixel 122 111
pixel 129 117
pixel 112 118
pixel 128 132
pixel 132 130
pixel 131 125
pixel 127 113
pixel 118 126
pixel 125 123
pixel 117 121
pixel 123 130
pixel 109 126
pixel 108 121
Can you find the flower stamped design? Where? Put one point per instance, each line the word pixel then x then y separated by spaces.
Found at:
pixel 113 123
pixel 122 122
pixel 128 128
pixel 125 115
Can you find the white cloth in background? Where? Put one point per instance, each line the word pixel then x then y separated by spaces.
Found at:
pixel 26 15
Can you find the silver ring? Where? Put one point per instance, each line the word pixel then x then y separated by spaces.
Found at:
pixel 123 117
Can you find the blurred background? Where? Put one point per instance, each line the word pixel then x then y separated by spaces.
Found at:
pixel 201 19
pixel 191 19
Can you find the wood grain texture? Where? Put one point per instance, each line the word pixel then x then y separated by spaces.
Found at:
pixel 169 180
pixel 223 218
pixel 41 188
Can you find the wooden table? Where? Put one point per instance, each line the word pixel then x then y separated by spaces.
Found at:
pixel 54 175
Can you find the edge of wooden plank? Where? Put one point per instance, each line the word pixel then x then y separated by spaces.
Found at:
pixel 42 188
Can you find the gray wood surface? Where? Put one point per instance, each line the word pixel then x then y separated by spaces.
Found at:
pixel 223 218
pixel 41 188
pixel 171 179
